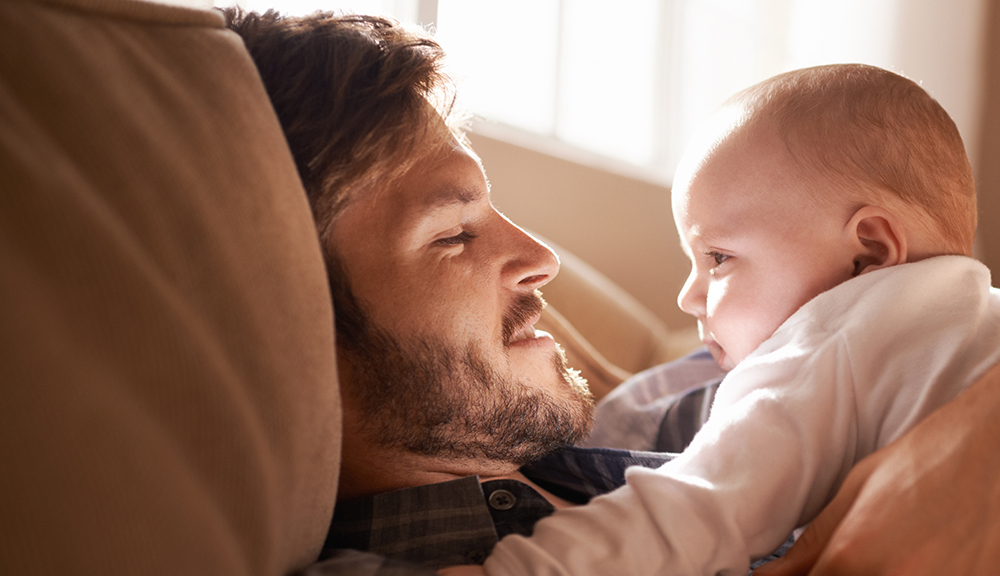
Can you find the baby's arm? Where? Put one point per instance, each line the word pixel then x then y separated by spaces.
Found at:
pixel 768 453
pixel 925 505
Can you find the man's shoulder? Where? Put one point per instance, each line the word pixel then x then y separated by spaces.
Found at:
pixel 464 518
pixel 400 524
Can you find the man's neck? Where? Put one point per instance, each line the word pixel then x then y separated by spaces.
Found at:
pixel 369 473
pixel 367 469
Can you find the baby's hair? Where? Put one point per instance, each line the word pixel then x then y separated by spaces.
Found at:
pixel 862 124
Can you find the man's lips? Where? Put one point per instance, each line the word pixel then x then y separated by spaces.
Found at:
pixel 526 332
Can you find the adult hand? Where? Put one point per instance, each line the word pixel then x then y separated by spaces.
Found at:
pixel 927 504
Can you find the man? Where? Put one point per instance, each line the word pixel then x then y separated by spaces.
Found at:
pixel 445 383
pixel 438 352
pixel 443 377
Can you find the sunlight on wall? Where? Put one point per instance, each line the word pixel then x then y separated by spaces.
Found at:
pixel 632 79
pixel 726 45
pixel 507 67
pixel 608 93
pixel 580 71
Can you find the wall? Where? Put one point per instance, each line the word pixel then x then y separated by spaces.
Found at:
pixel 621 225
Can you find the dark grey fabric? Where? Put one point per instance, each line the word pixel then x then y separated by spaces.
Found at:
pixel 459 522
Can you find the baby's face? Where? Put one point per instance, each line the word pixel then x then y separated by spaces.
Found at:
pixel 760 246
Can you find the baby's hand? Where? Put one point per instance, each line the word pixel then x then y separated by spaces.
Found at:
pixel 468 570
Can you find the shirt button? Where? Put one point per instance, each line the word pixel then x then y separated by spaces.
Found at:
pixel 476 557
pixel 502 500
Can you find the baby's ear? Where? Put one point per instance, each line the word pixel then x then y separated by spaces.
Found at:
pixel 878 239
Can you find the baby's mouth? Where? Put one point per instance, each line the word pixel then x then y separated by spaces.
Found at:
pixel 717 352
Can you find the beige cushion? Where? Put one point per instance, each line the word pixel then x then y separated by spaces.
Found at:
pixel 608 335
pixel 169 399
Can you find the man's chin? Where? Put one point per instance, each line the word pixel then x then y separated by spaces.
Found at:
pixel 556 409
pixel 547 371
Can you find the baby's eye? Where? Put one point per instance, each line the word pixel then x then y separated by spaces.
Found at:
pixel 463 237
pixel 718 257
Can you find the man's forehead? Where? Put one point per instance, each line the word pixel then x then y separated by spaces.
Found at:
pixel 452 176
pixel 447 181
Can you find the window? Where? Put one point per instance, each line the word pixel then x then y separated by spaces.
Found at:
pixel 581 71
pixel 631 79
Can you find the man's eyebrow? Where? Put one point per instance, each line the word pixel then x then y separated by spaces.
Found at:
pixel 452 195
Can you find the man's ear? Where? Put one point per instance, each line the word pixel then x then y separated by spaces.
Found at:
pixel 877 239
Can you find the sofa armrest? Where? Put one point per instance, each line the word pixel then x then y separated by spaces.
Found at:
pixel 170 401
pixel 607 333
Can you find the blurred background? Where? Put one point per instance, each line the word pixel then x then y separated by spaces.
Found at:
pixel 584 106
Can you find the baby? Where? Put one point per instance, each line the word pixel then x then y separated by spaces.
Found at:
pixel 829 216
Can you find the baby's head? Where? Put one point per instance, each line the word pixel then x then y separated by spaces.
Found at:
pixel 806 180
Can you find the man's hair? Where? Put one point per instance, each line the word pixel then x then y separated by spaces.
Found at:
pixel 361 99
pixel 862 124
pixel 357 97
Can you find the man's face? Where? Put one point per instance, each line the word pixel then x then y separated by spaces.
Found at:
pixel 449 363
pixel 760 245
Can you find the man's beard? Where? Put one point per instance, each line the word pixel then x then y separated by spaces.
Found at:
pixel 426 396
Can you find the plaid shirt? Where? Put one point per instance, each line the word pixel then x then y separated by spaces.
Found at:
pixel 459 522
pixel 415 530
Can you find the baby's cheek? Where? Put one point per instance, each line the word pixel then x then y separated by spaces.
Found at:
pixel 745 332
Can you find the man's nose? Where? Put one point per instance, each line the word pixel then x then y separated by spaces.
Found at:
pixel 529 263
pixel 692 296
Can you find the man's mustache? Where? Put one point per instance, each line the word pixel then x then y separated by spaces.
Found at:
pixel 524 308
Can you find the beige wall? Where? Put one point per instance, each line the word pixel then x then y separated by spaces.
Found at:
pixel 620 225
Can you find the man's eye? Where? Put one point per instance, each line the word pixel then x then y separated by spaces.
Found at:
pixel 718 257
pixel 461 238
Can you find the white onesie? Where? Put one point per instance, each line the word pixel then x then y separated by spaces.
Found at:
pixel 848 373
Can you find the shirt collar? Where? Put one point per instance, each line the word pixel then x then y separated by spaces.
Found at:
pixel 459 521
